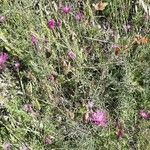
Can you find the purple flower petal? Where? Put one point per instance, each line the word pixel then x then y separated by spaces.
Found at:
pixel 2 19
pixel 71 55
pixel 34 40
pixel 6 146
pixel 17 66
pixel 144 114
pixel 3 59
pixel 66 9
pixel 99 118
pixel 51 24
pixel 79 16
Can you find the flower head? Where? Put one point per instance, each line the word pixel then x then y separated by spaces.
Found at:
pixel 66 9
pixel 17 66
pixel 52 77
pixel 6 146
pixel 144 114
pixel 3 59
pixel 79 16
pixel 34 40
pixel 48 140
pixel 127 27
pixel 28 108
pixel 2 19
pixel 71 55
pixel 51 24
pixel 99 118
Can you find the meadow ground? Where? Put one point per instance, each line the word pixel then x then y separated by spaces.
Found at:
pixel 74 75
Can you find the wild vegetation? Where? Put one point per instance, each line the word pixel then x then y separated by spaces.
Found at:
pixel 74 75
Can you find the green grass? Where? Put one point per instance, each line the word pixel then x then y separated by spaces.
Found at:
pixel 119 83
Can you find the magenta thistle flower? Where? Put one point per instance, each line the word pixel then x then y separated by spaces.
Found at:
pixel 71 55
pixel 66 9
pixel 79 16
pixel 99 118
pixel 34 40
pixel 3 59
pixel 144 114
pixel 6 146
pixel 51 24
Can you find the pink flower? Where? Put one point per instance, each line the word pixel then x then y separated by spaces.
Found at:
pixel 71 55
pixel 2 19
pixel 17 66
pixel 28 108
pixel 6 146
pixel 127 27
pixel 66 9
pixel 144 114
pixel 3 59
pixel 52 77
pixel 51 24
pixel 79 16
pixel 99 118
pixel 48 140
pixel 34 40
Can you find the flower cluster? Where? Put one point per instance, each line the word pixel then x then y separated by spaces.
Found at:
pixel 3 59
pixel 99 118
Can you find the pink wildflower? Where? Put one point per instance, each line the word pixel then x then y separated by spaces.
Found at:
pixel 28 108
pixel 127 27
pixel 6 146
pixel 52 77
pixel 71 55
pixel 51 24
pixel 34 40
pixel 79 16
pixel 2 19
pixel 17 66
pixel 48 140
pixel 3 59
pixel 99 118
pixel 66 9
pixel 144 114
